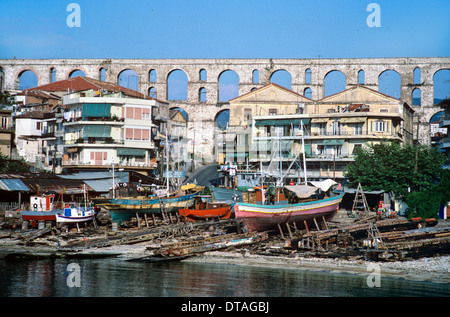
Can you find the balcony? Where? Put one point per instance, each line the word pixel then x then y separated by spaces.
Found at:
pixel 444 143
pixel 445 121
pixel 94 164
pixel 94 141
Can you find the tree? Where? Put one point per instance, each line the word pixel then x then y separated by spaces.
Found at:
pixel 10 166
pixel 426 204
pixel 391 167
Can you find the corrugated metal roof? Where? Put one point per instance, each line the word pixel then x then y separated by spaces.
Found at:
pixel 13 185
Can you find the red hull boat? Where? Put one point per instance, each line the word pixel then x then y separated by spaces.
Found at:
pixel 206 209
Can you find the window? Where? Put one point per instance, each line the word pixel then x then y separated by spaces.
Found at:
pixel 381 126
pixel 336 128
pixel 38 126
pixel 358 128
pixel 322 128
pixel 137 134
pixel 273 112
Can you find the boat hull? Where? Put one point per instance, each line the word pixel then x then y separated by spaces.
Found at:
pixel 64 219
pixel 226 194
pixel 266 217
pixel 202 214
pixel 125 211
pixel 30 215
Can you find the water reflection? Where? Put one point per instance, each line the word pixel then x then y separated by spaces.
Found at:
pixel 113 277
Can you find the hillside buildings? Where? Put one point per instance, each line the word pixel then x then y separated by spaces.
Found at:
pixel 272 125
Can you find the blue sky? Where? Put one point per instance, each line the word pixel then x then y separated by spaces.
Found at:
pixel 221 29
pixel 224 29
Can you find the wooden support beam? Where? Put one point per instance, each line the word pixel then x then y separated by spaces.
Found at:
pixel 281 231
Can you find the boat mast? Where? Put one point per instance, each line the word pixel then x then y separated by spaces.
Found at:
pixel 303 150
pixel 167 161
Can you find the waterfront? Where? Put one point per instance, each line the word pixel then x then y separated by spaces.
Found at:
pixel 113 277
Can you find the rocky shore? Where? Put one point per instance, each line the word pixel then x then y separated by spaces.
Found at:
pixel 134 244
pixel 435 269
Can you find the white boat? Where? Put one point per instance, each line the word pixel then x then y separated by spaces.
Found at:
pixel 76 215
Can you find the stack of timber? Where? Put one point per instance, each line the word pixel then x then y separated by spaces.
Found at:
pixel 372 237
pixel 181 250
pixel 423 242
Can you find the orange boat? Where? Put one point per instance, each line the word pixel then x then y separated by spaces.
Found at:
pixel 204 208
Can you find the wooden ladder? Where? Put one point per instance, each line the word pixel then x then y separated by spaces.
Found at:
pixel 360 206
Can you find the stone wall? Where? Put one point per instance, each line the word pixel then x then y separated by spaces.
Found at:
pixel 207 111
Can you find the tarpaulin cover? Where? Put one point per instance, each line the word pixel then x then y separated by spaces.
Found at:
pixel 302 191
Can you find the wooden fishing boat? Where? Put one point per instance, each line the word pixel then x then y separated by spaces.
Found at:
pixel 42 208
pixel 258 217
pixel 204 208
pixel 76 215
pixel 125 209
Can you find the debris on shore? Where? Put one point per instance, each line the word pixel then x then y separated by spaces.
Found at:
pixel 369 238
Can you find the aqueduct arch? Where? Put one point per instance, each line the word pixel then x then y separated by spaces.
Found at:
pixel 307 75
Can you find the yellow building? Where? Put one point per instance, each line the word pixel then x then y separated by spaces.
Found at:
pixel 265 125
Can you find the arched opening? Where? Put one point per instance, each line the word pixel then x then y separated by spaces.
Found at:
pixel 437 133
pixel 417 75
pixel 307 93
pixel 282 77
pixel 255 77
pixel 203 75
pixel 27 79
pixel 128 78
pixel 335 81
pixel 416 97
pixel 152 92
pixel 228 85
pixel 389 83
pixel 441 85
pixel 202 94
pixel 183 112
pixel 52 75
pixel 76 73
pixel 361 77
pixel 102 74
pixel 222 119
pixel 308 74
pixel 152 76
pixel 177 85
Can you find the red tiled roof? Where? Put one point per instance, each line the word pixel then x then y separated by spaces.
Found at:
pixel 81 83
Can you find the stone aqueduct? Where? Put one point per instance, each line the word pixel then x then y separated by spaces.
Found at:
pixel 207 111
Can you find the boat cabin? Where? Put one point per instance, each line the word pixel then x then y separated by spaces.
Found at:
pixel 42 203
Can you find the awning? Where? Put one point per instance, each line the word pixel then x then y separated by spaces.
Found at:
pixel 302 191
pixel 319 120
pixel 280 122
pixel 13 185
pixel 96 131
pixel 96 110
pixel 353 120
pixel 130 151
pixel 333 142
pixel 324 185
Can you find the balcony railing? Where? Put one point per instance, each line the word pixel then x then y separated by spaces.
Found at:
pixel 104 164
pixel 87 141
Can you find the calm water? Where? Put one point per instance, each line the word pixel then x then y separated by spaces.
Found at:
pixel 113 277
